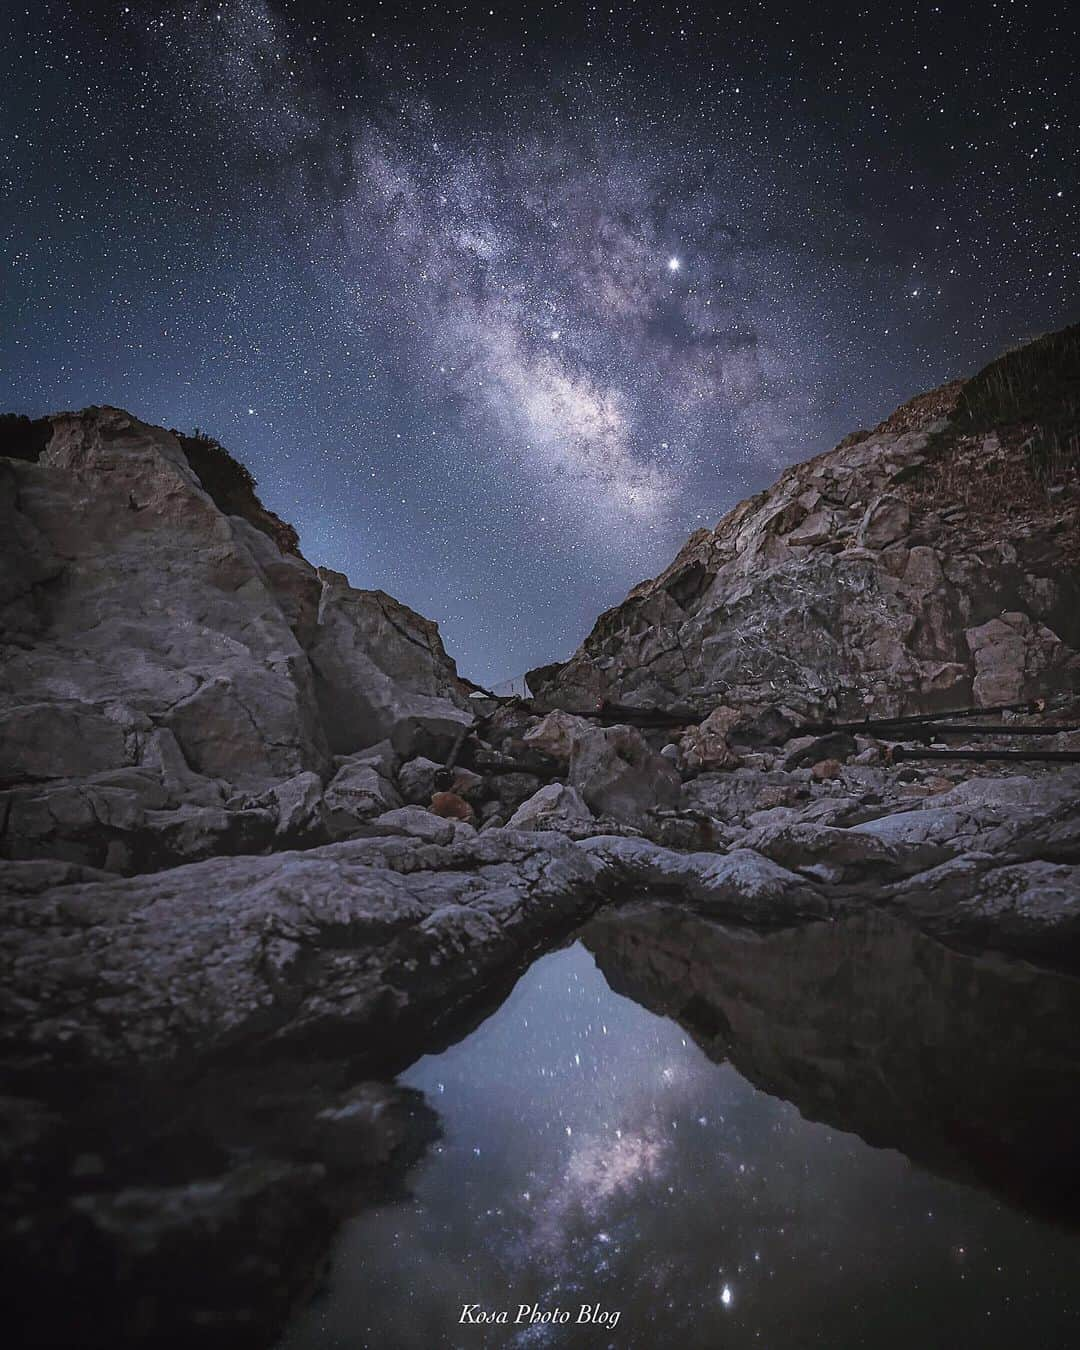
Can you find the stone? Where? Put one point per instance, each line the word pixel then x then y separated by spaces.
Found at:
pixel 556 733
pixel 451 806
pixel 416 779
pixel 381 672
pixel 415 821
pixel 705 748
pixel 356 794
pixel 298 805
pixel 826 768
pixel 886 520
pixel 837 745
pixel 553 807
pixel 618 775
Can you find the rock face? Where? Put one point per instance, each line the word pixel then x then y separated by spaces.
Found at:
pixel 162 653
pixel 910 1070
pixel 239 803
pixel 930 563
pixel 618 775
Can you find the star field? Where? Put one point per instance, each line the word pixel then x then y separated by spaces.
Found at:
pixel 592 1154
pixel 499 302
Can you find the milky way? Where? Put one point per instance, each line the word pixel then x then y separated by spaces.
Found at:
pixel 499 303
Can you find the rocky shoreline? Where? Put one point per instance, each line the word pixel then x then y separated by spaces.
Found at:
pixel 261 845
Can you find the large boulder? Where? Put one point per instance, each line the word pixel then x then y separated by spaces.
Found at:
pixel 557 806
pixel 381 671
pixel 618 775
pixel 555 735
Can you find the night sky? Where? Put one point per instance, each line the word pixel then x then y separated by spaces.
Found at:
pixel 591 1153
pixel 499 302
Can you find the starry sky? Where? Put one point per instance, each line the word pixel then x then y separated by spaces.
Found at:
pixel 500 301
pixel 592 1154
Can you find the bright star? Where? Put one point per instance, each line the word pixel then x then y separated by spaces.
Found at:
pixel 673 264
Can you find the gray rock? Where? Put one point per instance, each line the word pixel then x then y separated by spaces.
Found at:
pixel 740 884
pixel 838 854
pixel 381 672
pixel 846 588
pixel 416 823
pixel 356 794
pixel 618 775
pixel 554 807
pixel 555 735
pixel 416 779
pixel 183 638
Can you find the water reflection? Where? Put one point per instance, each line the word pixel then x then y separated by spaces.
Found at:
pixel 594 1155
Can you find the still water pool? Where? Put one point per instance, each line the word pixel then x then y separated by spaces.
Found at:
pixel 598 1156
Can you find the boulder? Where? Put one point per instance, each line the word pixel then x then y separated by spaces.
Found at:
pixel 837 745
pixel 355 795
pixel 618 775
pixel 555 734
pixel 416 779
pixel 556 806
pixel 381 671
pixel 706 748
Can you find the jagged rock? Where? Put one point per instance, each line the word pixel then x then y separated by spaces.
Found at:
pixel 554 807
pixel 618 775
pixel 846 587
pixel 1010 654
pixel 1028 908
pixel 555 735
pixel 418 823
pixel 705 748
pixel 298 805
pixel 416 779
pixel 192 832
pixel 356 794
pixel 381 672
pixel 182 634
pixel 357 941
pixel 834 854
pixel 886 520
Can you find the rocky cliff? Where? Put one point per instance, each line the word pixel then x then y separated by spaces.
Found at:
pixel 169 658
pixel 930 563
pixel 259 842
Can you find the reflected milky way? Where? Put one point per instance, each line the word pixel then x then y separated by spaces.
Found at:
pixel 593 1154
